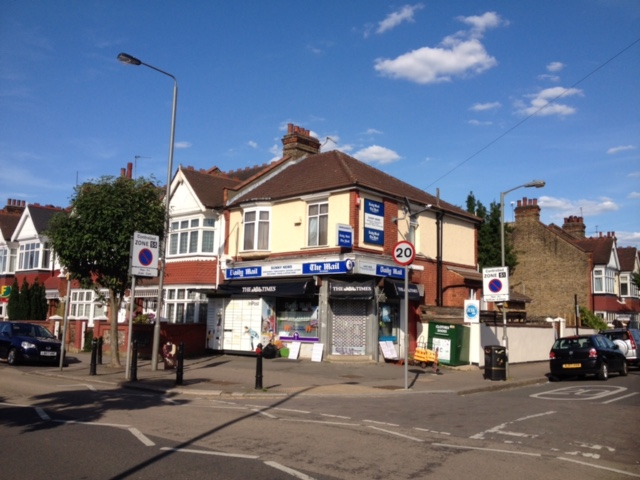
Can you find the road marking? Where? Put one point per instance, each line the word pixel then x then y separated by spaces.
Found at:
pixel 318 421
pixel 431 431
pixel 140 436
pixel 630 474
pixel 335 416
pixel 43 415
pixel 262 412
pixel 205 452
pixel 498 429
pixel 382 423
pixel 288 470
pixel 620 398
pixel 590 392
pixel 396 434
pixel 462 447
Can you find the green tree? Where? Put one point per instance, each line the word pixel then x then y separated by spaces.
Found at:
pixel 24 303
pixel 38 301
pixel 635 279
pixel 93 241
pixel 591 320
pixel 489 236
pixel 13 307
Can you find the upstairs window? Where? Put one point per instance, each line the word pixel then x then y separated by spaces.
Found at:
pixel 624 285
pixel 29 258
pixel 318 224
pixel 192 236
pixel 598 280
pixel 256 230
pixel 4 260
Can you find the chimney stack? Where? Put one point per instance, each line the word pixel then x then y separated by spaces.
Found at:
pixel 527 210
pixel 574 226
pixel 298 142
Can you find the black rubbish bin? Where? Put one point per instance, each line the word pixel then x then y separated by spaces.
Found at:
pixel 495 362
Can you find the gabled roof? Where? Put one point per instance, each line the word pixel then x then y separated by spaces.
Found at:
pixel 39 216
pixel 8 224
pixel 209 186
pixel 628 257
pixel 334 170
pixel 600 248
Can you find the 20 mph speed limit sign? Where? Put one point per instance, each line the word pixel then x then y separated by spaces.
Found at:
pixel 404 253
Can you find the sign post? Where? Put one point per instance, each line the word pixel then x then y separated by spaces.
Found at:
pixel 144 263
pixel 404 253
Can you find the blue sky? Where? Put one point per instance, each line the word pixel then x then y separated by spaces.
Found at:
pixel 450 96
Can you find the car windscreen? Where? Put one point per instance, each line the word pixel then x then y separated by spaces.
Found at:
pixel 29 330
pixel 572 343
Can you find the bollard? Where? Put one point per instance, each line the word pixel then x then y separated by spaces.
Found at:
pixel 134 362
pixel 94 351
pixel 180 367
pixel 100 341
pixel 259 367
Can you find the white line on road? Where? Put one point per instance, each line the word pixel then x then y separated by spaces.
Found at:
pixel 262 412
pixel 397 434
pixel 462 447
pixel 335 416
pixel 620 398
pixel 42 413
pixel 630 474
pixel 431 431
pixel 319 421
pixel 140 436
pixel 382 423
pixel 288 470
pixel 205 452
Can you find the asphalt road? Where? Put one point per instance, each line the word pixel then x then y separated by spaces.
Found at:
pixel 572 430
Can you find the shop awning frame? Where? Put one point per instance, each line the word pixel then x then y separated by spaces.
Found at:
pixel 269 287
pixel 395 289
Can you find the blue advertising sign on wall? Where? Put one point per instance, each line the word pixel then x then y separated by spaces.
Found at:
pixel 243 272
pixel 373 222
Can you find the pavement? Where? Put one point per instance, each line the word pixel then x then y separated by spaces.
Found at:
pixel 235 375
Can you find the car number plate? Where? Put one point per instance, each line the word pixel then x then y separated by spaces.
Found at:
pixel 48 354
pixel 571 365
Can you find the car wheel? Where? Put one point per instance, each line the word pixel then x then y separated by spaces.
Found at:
pixel 12 357
pixel 603 374
pixel 625 369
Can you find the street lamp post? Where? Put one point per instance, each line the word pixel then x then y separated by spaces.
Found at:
pixel 128 59
pixel 532 184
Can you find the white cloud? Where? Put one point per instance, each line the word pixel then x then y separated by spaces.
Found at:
pixel 405 14
pixel 373 131
pixel 544 102
pixel 481 107
pixel 483 22
pixel 584 208
pixel 634 195
pixel 377 154
pixel 633 174
pixel 182 145
pixel 458 55
pixel 252 144
pixel 548 77
pixel 621 148
pixel 629 239
pixel 478 123
pixel 555 66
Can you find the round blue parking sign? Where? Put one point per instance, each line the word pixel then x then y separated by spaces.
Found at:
pixel 495 285
pixel 145 257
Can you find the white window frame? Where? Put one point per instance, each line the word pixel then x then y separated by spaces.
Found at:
pixel 317 220
pixel 625 284
pixel 29 257
pixel 598 280
pixel 259 239
pixel 185 306
pixel 187 236
pixel 4 259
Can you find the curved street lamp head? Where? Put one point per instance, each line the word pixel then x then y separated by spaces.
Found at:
pixel 128 59
pixel 535 183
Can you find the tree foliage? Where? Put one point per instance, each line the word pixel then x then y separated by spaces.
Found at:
pixel 489 235
pixel 29 302
pixel 591 320
pixel 93 241
pixel 635 279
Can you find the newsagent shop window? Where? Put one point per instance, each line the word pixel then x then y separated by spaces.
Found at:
pixel 388 322
pixel 297 319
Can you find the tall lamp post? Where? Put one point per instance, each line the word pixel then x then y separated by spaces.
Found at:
pixel 128 59
pixel 532 184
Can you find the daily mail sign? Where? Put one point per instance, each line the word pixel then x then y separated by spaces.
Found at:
pixel 495 284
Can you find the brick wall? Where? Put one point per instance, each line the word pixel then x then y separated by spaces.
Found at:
pixel 550 270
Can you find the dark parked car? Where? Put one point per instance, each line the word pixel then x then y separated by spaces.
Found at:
pixel 627 341
pixel 586 355
pixel 27 342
